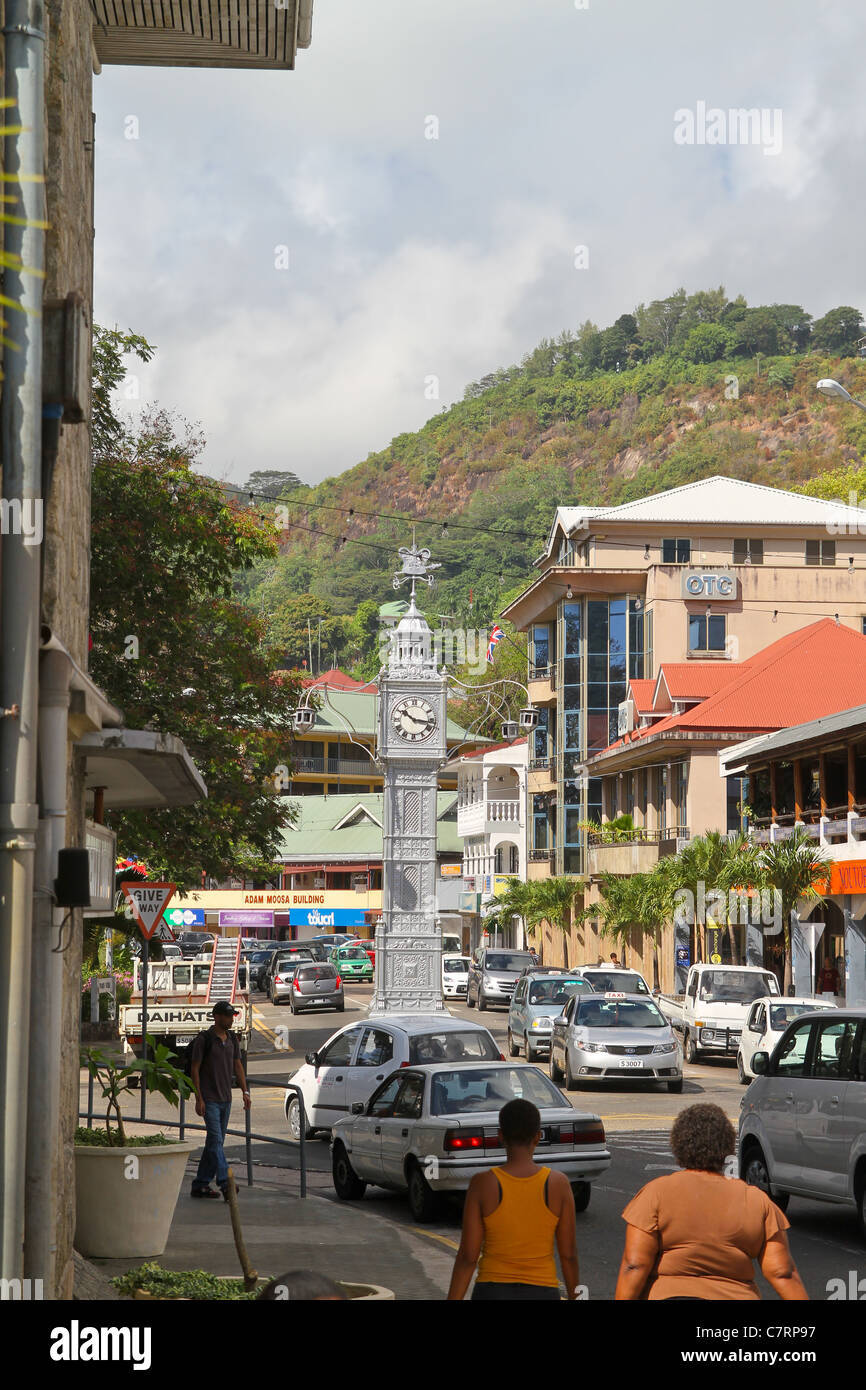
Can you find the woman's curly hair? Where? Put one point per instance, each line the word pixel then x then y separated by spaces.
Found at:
pixel 702 1138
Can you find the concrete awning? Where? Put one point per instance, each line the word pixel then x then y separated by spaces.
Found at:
pixel 140 769
pixel 201 33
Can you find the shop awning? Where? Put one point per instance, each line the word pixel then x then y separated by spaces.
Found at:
pixel 139 769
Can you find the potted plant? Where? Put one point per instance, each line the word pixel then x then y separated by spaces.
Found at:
pixel 127 1186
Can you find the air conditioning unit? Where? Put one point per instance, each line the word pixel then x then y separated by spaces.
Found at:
pixel 625 718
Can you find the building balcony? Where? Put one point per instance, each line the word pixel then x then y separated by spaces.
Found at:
pixel 335 767
pixel 489 817
pixel 541 685
pixel 638 855
pixel 840 832
pixel 541 775
pixel 541 864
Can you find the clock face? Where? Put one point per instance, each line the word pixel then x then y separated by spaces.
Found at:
pixel 413 718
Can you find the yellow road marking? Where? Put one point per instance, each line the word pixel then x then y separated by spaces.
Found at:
pixel 432 1235
pixel 261 1026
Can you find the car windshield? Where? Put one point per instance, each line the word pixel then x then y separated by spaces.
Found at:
pixel 618 1013
pixel 455 965
pixel 317 972
pixel 557 991
pixel 506 960
pixel 734 986
pixel 625 980
pixel 471 1090
pixel 453 1045
pixel 781 1014
pixel 353 953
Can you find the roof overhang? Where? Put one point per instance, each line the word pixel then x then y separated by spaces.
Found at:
pixel 139 769
pixel 659 747
pixel 832 728
pixel 201 33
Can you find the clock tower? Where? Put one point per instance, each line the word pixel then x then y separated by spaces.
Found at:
pixel 412 748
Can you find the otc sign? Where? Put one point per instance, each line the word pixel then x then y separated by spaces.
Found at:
pixel 715 584
pixel 147 901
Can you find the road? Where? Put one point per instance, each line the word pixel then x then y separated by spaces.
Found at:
pixel 823 1238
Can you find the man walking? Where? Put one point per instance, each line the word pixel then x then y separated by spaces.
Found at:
pixel 215 1058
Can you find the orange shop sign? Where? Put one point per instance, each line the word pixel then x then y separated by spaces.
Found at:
pixel 846 876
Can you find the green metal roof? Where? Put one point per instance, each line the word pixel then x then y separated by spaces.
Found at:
pixel 315 836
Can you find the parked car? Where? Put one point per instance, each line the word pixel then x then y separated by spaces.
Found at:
pixel 171 950
pixel 192 942
pixel 803 1118
pixel 766 1022
pixel 614 1037
pixel 549 970
pixel 538 999
pixel 353 962
pixel 314 987
pixel 606 977
pixel 281 972
pixel 431 1129
pixel 336 938
pixel 455 976
pixel 258 963
pixel 348 1068
pixel 494 973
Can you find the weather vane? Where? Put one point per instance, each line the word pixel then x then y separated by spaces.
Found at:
pixel 416 566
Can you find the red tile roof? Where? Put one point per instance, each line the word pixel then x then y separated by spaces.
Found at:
pixel 335 679
pixel 493 748
pixel 642 693
pixel 816 671
pixel 695 680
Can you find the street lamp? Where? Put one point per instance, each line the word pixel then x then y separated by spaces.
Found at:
pixel 835 388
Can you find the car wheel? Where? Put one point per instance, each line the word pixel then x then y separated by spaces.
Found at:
pixel 582 1192
pixel 555 1073
pixel 341 1008
pixel 422 1198
pixel 531 1053
pixel 741 1071
pixel 675 1087
pixel 513 1049
pixel 756 1173
pixel 570 1082
pixel 293 1119
pixel 347 1185
pixel 482 1002
pixel 689 1048
pixel 470 1003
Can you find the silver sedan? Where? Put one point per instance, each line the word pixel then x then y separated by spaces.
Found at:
pixel 614 1037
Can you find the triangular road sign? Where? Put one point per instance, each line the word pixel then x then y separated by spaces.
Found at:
pixel 147 901
pixel 164 932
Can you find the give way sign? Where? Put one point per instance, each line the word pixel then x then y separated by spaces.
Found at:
pixel 148 901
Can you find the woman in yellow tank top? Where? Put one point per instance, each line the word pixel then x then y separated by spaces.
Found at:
pixel 514 1215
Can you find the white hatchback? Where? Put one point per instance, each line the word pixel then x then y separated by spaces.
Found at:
pixel 455 975
pixel 347 1069
pixel 768 1018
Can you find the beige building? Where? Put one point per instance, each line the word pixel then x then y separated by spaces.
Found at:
pixel 698 578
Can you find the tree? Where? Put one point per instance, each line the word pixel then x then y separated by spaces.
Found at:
pixel 514 902
pixel 657 322
pixel 698 869
pixel 703 307
pixel 791 868
pixel 838 331
pixel 795 326
pixel 708 342
pixel 756 331
pixel 552 900
pixel 644 901
pixel 300 627
pixel 271 483
pixel 110 347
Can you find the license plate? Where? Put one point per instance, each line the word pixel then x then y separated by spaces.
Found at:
pixel 319 1001
pixel 184 1039
pixel 628 1063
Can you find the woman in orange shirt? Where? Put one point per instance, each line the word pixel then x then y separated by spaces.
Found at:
pixel 694 1234
pixel 513 1217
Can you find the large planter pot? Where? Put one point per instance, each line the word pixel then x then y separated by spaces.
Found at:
pixel 125 1207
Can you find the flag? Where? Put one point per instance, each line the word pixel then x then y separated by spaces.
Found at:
pixel 496 636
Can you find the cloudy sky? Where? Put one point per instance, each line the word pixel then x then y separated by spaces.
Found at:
pixel 413 258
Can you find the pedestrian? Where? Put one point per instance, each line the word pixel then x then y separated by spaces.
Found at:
pixel 513 1217
pixel 694 1234
pixel 614 961
pixel 215 1059
pixel 829 979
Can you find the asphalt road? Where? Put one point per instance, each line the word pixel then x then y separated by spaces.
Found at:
pixel 824 1239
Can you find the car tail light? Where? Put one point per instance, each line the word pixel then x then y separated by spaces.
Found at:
pixel 297 984
pixel 459 1140
pixel 595 1135
pixel 278 979
pixel 562 1134
pixel 338 983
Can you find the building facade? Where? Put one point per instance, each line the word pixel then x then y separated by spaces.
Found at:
pixel 491 820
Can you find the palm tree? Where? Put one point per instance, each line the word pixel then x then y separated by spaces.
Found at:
pixel 700 868
pixel 791 868
pixel 514 902
pixel 644 901
pixel 551 900
pixel 741 870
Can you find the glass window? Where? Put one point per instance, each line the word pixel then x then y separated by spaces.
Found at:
pixel 181 976
pixel 338 1052
pixel 571 623
pixel 557 991
pixel 625 981
pixel 676 552
pixel 834 1042
pixel 541 645
pixel 377 1048
pixel 411 1099
pixel 617 1013
pixel 200 975
pixel 571 670
pixel 382 1103
pixel 597 626
pixel 790 1058
pixel 452 1045
pixel 483 1089
pixel 707 633
pixel 617 627
pixel 820 552
pixel 748 551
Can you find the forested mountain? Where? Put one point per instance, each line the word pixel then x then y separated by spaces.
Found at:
pixel 680 388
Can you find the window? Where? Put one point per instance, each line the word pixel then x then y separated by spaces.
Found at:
pixel 791 1057
pixel 707 634
pixel 676 552
pixel 339 1052
pixel 820 552
pixel 541 646
pixel 748 551
pixel 831 1055
pixel 383 1101
pixel 377 1048
pixel 410 1099
pixel 452 1045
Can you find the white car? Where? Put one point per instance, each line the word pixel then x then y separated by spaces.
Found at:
pixel 614 1037
pixel 613 977
pixel 430 1129
pixel 768 1018
pixel 455 975
pixel 349 1067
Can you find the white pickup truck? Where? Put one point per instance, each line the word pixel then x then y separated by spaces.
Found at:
pixel 177 1007
pixel 713 1011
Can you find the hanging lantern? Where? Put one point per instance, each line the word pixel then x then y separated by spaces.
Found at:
pixel 304 718
pixel 509 731
pixel 528 718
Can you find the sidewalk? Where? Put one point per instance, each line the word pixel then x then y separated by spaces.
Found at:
pixel 283 1232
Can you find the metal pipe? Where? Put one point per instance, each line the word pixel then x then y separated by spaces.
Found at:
pixel 20 445
pixel 46 976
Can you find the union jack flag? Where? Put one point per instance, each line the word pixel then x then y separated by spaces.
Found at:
pixel 496 636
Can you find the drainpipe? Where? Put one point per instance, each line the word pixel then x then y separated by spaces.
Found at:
pixel 46 977
pixel 20 444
